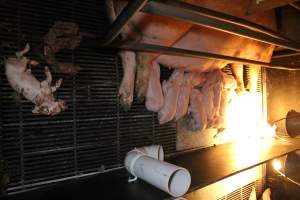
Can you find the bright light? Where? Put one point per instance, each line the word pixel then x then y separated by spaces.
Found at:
pixel 248 152
pixel 244 119
pixel 277 165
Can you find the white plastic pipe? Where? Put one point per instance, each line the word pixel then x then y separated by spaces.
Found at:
pixel 154 151
pixel 170 178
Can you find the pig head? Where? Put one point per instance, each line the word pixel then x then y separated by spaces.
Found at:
pixel 21 79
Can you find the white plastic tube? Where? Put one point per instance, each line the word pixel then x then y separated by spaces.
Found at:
pixel 154 151
pixel 170 178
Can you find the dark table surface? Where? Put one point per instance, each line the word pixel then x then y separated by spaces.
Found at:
pixel 206 167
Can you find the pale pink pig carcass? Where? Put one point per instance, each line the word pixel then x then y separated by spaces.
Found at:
pixel 165 31
pixel 208 40
pixel 171 90
pixel 24 83
pixel 197 119
pixel 222 98
pixel 145 28
pixel 184 95
pixel 154 96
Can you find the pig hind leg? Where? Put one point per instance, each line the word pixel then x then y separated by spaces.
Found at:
pixel 126 89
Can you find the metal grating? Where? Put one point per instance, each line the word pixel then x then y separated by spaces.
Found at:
pixel 243 193
pixel 94 134
pixel 227 69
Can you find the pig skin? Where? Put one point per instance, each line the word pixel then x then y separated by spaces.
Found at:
pixel 153 29
pixel 171 90
pixel 23 82
pixel 266 194
pixel 127 85
pixel 154 96
pixel 197 113
pixel 147 28
pixel 184 96
pixel 128 59
pixel 237 70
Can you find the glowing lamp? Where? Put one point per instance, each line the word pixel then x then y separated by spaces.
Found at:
pixel 277 165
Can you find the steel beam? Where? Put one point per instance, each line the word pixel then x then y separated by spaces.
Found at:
pixel 227 18
pixel 195 54
pixel 127 13
pixel 194 14
pixel 284 54
pixel 296 5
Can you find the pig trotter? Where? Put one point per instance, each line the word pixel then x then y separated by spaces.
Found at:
pixel 48 76
pixel 56 86
pixel 126 89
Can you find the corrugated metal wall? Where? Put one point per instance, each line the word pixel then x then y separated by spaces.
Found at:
pixel 94 133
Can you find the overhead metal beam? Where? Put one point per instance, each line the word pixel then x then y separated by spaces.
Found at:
pixel 195 54
pixel 194 14
pixel 226 18
pixel 284 54
pixel 296 5
pixel 127 13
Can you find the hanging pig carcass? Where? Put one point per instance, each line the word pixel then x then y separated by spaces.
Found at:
pixel 21 79
pixel 158 30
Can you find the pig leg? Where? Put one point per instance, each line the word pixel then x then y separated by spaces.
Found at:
pixel 237 70
pixel 142 75
pixel 253 77
pixel 56 86
pixel 154 97
pixel 128 59
pixel 21 53
pixel 48 76
pixel 126 89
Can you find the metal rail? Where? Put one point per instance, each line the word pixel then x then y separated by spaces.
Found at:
pixel 195 54
pixel 220 16
pixel 296 5
pixel 284 54
pixel 192 14
pixel 199 16
pixel 127 13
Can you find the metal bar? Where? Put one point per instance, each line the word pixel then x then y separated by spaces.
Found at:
pixel 284 54
pixel 228 18
pixel 127 13
pixel 296 5
pixel 190 13
pixel 195 54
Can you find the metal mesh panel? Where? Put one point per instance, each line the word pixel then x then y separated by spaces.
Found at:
pixel 243 193
pixel 94 133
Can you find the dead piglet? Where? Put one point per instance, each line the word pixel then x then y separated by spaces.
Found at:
pixel 229 85
pixel 154 96
pixel 60 67
pixel 171 93
pixel 197 117
pixel 23 82
pixel 63 35
pixel 184 96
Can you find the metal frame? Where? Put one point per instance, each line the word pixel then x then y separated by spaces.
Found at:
pixel 296 5
pixel 199 16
